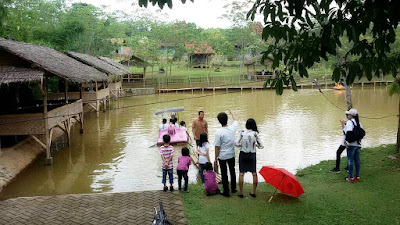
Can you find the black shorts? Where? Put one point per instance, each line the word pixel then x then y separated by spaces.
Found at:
pixel 247 162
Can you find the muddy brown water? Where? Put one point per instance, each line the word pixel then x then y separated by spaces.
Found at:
pixel 113 155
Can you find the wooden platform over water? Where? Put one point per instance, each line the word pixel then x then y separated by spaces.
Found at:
pixel 325 85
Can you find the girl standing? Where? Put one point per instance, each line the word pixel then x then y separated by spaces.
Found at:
pixel 248 141
pixel 184 162
pixel 203 152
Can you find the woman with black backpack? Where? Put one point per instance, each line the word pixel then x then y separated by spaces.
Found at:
pixel 354 133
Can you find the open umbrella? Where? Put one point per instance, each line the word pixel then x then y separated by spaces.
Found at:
pixel 282 180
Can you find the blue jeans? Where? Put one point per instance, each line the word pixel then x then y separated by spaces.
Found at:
pixel 353 154
pixel 170 176
pixel 201 172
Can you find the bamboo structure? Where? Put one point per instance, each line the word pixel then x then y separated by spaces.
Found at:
pixel 114 70
pixel 134 78
pixel 28 63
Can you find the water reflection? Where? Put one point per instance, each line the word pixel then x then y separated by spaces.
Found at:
pixel 297 129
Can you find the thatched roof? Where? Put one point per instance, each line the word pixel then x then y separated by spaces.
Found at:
pixel 116 64
pixel 53 62
pixel 199 49
pixel 135 61
pixel 10 74
pixel 97 63
pixel 257 59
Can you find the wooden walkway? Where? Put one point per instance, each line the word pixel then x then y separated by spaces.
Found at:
pixel 96 209
pixel 325 85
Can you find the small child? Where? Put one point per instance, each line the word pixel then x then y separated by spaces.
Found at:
pixel 183 126
pixel 203 152
pixel 171 127
pixel 183 168
pixel 167 155
pixel 211 184
pixel 176 122
pixel 164 124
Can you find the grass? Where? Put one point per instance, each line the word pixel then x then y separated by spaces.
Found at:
pixel 328 199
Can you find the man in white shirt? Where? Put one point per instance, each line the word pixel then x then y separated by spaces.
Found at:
pixel 225 151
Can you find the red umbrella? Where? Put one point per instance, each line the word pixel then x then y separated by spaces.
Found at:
pixel 282 180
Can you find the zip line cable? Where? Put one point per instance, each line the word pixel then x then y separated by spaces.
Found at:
pixel 364 117
pixel 181 99
pixel 95 100
pixel 123 107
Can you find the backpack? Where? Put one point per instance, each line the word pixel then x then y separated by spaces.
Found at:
pixel 356 134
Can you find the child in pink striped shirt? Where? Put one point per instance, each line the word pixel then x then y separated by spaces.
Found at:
pixel 167 155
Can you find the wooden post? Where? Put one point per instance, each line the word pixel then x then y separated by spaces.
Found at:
pixel 66 91
pixel 97 101
pixel 81 114
pixel 49 158
pixel 144 77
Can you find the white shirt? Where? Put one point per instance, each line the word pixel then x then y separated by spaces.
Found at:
pixel 225 138
pixel 177 125
pixel 163 126
pixel 184 128
pixel 203 149
pixel 248 141
pixel 349 127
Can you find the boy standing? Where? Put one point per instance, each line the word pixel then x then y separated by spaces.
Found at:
pixel 167 154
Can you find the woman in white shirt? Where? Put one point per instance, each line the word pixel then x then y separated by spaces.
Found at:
pixel 248 141
pixel 353 148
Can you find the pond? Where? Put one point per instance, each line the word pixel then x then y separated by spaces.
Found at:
pixel 298 129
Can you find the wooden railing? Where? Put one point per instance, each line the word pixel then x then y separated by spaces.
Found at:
pixel 33 123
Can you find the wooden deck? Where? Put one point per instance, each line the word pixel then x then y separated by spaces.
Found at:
pixel 94 99
pixel 325 85
pixel 35 124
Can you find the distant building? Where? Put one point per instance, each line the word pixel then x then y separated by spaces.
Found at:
pixel 199 54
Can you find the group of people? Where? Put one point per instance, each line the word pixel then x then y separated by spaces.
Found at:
pixel 224 142
pixel 349 128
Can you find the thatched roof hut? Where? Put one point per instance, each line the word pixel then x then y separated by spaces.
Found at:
pixel 115 64
pixel 50 61
pixel 97 63
pixel 11 74
pixel 135 61
pixel 257 59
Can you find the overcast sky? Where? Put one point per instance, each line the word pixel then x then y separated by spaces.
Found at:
pixel 205 13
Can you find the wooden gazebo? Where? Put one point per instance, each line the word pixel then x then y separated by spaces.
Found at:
pixel 117 86
pixel 135 77
pixel 199 54
pixel 33 64
pixel 113 72
pixel 259 75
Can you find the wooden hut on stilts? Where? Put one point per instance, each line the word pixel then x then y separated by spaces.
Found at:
pixel 38 66
pixel 116 86
pixel 135 78
pixel 113 72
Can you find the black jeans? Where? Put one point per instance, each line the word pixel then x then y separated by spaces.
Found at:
pixel 182 173
pixel 338 153
pixel 224 174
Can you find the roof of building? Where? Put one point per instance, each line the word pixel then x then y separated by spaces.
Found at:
pixel 257 59
pixel 115 64
pixel 97 63
pixel 135 61
pixel 53 62
pixel 199 49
